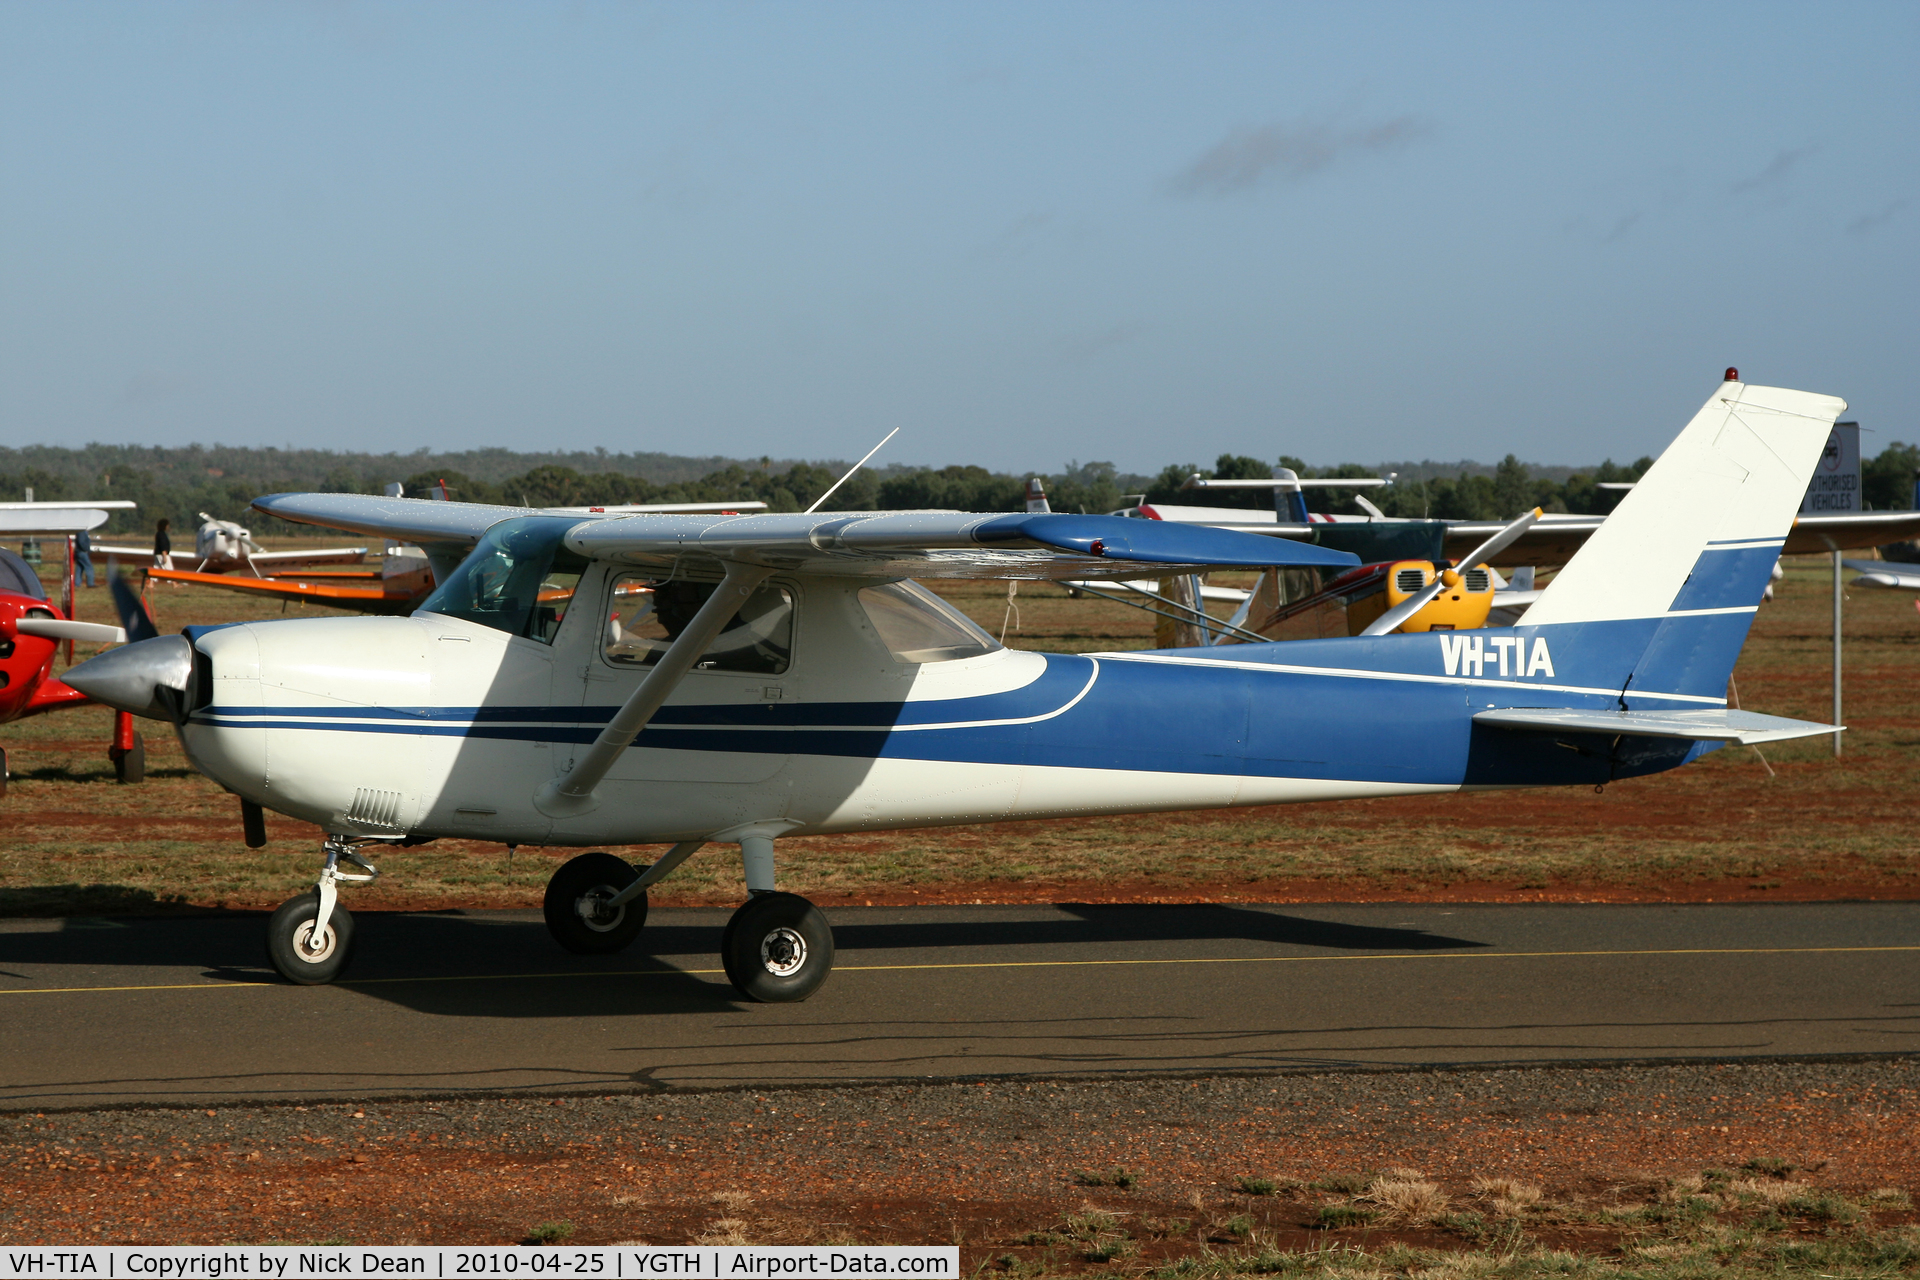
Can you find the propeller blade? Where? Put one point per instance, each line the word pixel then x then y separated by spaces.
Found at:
pixel 133 615
pixel 1413 604
pixel 1498 542
pixel 1406 608
pixel 61 629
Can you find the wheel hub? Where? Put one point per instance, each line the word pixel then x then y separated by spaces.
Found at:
pixel 594 911
pixel 783 952
pixel 310 949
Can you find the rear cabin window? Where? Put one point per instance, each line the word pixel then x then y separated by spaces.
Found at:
pixel 918 626
pixel 645 614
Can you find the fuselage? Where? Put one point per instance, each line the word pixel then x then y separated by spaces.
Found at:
pixel 27 683
pixel 432 725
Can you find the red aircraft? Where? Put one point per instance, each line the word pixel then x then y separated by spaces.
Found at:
pixel 32 628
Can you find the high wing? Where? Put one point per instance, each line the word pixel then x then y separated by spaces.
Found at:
pixel 904 544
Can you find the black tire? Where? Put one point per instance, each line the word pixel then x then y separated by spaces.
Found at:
pixel 777 949
pixel 593 875
pixel 130 765
pixel 288 929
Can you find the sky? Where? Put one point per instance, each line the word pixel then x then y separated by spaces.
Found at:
pixel 1025 234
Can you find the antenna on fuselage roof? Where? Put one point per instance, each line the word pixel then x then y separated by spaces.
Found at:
pixel 856 466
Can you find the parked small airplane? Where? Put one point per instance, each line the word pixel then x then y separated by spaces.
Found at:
pixel 32 629
pixel 404 577
pixel 590 680
pixel 1553 539
pixel 223 546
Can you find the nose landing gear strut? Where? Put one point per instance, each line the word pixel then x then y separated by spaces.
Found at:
pixel 310 938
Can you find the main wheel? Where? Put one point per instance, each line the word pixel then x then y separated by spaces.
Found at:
pixel 290 934
pixel 777 948
pixel 576 910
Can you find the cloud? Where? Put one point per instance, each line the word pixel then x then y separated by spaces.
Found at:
pixel 1017 238
pixel 1869 221
pixel 1083 348
pixel 1246 158
pixel 1776 172
pixel 149 386
pixel 1621 226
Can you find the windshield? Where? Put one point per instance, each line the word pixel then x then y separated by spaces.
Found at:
pixel 519 579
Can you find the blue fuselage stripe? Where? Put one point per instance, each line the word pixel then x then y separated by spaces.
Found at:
pixel 1377 709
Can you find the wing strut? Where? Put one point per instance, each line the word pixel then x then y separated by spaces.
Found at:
pixel 573 795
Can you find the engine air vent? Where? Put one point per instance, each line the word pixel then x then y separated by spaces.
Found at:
pixel 1408 581
pixel 1476 579
pixel 375 808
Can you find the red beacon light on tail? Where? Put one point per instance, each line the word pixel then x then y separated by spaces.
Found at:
pixel 1733 374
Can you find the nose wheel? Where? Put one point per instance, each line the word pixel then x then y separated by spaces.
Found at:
pixel 777 948
pixel 310 938
pixel 300 952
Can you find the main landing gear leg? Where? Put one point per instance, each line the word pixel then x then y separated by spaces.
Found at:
pixel 777 947
pixel 129 750
pixel 310 937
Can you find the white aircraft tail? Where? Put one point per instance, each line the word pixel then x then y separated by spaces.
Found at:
pixel 1718 503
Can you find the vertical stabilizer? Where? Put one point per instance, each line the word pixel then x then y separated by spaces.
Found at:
pixel 1719 501
pixel 1691 549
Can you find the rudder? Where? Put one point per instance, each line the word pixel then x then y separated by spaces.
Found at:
pixel 1694 542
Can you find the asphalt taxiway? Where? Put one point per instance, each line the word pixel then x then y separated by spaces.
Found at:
pixel 185 1011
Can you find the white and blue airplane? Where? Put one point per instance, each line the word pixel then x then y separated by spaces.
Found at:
pixel 579 680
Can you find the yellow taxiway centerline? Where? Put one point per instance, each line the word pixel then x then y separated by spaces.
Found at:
pixel 1001 964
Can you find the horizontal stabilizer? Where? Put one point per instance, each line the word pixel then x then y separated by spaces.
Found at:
pixel 1747 728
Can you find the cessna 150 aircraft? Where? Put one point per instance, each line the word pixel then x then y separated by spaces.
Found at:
pixel 597 679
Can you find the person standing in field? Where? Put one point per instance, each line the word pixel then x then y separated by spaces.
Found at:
pixel 83 557
pixel 162 546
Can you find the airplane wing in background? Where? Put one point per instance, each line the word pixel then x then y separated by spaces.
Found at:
pixel 1555 538
pixel 367 599
pixel 54 519
pixel 265 563
pixel 1885 573
pixel 906 544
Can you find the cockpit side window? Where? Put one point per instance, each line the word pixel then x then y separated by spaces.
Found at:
pixel 646 613
pixel 519 579
pixel 918 626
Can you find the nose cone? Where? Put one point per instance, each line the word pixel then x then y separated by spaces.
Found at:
pixel 149 678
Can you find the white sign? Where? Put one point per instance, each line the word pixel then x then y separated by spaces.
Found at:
pixel 1836 480
pixel 601 1262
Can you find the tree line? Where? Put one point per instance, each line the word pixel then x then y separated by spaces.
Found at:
pixel 180 483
